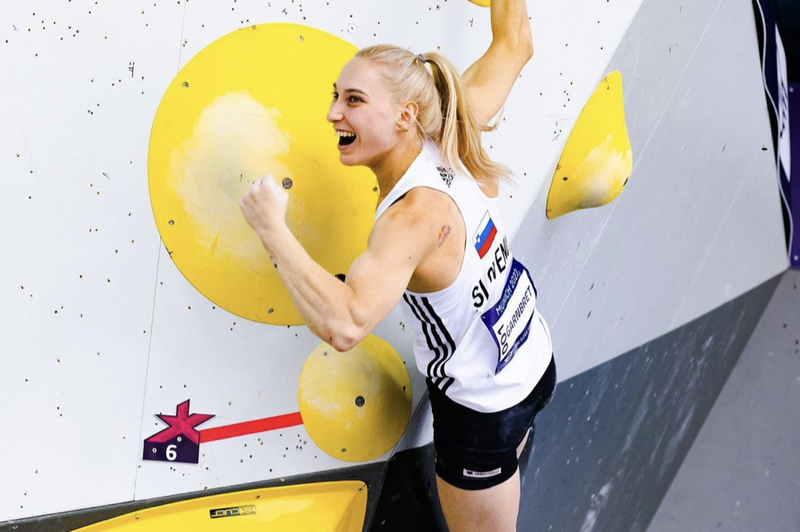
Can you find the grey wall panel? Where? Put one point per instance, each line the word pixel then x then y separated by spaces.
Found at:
pixel 743 471
pixel 610 443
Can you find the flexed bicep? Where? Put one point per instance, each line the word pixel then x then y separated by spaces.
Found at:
pixel 399 242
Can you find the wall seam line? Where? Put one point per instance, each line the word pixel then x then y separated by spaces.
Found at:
pixel 155 301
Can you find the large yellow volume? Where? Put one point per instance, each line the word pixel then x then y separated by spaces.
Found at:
pixel 355 405
pixel 321 507
pixel 254 102
pixel 596 162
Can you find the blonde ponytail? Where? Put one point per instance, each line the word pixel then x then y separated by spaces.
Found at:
pixel 445 115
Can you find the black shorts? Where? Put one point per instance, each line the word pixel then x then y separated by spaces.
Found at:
pixel 475 450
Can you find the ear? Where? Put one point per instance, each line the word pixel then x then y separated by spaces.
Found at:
pixel 408 116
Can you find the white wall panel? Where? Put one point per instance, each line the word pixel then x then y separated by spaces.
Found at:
pixel 699 222
pixel 239 371
pixel 748 244
pixel 78 265
pixel 228 366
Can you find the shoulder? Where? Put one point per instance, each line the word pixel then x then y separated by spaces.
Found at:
pixel 420 203
pixel 416 214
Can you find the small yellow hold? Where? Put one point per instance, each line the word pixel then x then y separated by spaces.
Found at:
pixel 355 405
pixel 482 3
pixel 596 162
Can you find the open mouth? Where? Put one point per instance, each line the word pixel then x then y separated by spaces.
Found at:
pixel 345 139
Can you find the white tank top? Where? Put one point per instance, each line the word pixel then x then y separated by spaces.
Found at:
pixel 480 340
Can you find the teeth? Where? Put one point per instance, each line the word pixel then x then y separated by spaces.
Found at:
pixel 345 134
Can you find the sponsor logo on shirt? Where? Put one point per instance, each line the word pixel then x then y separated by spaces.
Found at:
pixel 447 175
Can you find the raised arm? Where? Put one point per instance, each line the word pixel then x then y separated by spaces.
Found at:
pixel 490 78
pixel 343 314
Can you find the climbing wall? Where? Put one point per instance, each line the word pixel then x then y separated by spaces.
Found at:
pixel 126 372
pixel 103 330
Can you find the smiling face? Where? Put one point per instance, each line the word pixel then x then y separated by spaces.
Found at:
pixel 364 115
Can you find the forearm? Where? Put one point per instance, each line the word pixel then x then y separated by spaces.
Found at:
pixel 510 24
pixel 322 300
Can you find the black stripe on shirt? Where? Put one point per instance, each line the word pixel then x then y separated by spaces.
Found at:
pixel 441 348
pixel 446 334
pixel 416 310
pixel 450 380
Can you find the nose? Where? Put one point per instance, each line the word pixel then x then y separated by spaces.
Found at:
pixel 334 113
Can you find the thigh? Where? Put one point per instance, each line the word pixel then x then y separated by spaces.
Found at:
pixel 493 509
pixel 477 450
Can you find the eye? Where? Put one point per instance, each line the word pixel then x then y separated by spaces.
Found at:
pixel 335 95
pixel 354 99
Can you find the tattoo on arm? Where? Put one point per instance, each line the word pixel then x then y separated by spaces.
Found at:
pixel 444 232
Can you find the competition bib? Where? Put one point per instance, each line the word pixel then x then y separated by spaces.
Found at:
pixel 509 320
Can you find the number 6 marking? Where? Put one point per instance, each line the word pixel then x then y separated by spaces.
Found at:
pixel 171 453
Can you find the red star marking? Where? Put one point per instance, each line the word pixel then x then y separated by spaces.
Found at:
pixel 181 424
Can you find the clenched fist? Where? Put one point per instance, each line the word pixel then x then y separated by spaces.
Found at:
pixel 264 205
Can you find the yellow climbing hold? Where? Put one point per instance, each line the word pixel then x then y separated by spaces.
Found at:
pixel 355 405
pixel 252 103
pixel 325 506
pixel 596 162
pixel 482 3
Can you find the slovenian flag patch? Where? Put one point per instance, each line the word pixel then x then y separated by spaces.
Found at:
pixel 485 235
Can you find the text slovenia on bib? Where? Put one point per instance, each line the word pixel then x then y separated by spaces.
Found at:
pixel 509 320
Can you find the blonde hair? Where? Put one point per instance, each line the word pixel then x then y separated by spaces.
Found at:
pixel 445 115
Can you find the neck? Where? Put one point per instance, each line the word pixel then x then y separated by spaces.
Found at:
pixel 394 166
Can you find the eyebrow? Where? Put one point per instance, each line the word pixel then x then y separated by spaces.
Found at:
pixel 358 91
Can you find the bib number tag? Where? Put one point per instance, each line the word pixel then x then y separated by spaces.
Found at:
pixel 509 320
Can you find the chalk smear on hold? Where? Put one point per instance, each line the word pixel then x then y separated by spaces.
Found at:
pixel 235 141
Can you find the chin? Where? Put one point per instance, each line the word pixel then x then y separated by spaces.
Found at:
pixel 352 159
pixel 347 161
